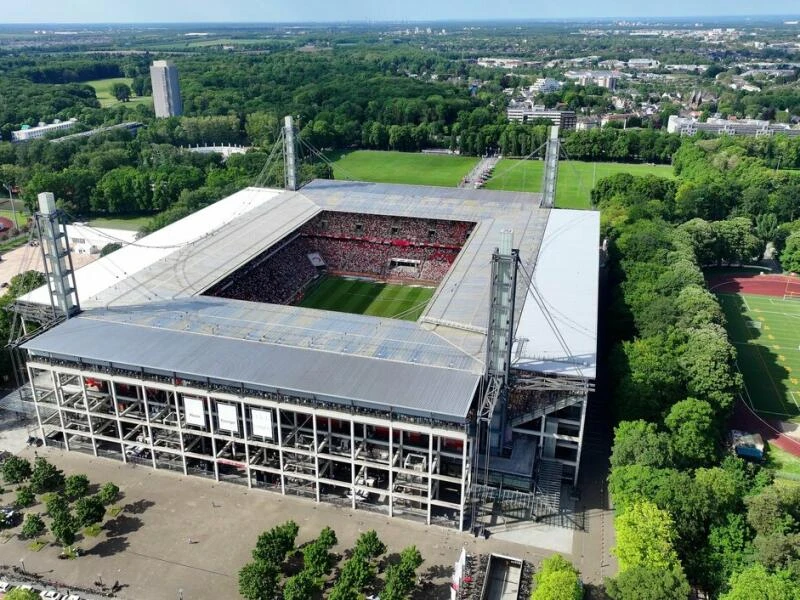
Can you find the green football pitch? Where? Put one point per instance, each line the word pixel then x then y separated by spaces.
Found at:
pixel 363 297
pixel 575 178
pixel 766 333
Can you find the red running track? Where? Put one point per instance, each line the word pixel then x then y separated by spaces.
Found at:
pixel 755 283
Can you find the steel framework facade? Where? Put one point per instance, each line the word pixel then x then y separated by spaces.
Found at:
pixel 405 468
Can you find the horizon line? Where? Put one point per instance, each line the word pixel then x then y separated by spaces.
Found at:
pixel 251 23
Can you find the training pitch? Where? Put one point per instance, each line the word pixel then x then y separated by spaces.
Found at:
pixel 763 314
pixel 403 167
pixel 575 178
pixel 364 297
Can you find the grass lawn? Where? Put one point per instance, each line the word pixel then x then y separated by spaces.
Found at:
pixel 102 89
pixel 783 464
pixel 360 297
pixel 22 218
pixel 403 167
pixel 766 334
pixel 129 223
pixel 575 178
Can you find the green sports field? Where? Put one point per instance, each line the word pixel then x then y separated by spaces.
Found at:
pixel 403 167
pixel 766 333
pixel 575 178
pixel 362 297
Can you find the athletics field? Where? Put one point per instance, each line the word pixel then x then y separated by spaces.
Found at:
pixel 763 314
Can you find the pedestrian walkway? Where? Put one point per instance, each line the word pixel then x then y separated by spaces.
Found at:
pixel 481 173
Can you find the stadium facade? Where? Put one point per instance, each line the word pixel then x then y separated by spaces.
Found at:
pixel 161 366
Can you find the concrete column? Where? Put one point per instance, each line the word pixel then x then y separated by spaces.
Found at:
pixel 280 448
pixel 35 395
pixel 88 416
pixel 580 440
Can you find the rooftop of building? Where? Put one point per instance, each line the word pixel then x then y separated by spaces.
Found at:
pixel 143 308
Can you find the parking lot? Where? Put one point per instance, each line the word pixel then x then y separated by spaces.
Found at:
pixel 147 550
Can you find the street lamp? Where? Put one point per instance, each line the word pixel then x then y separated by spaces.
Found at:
pixel 13 208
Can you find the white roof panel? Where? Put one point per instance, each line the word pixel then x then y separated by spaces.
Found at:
pixel 564 293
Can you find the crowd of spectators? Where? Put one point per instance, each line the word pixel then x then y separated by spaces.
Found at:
pixel 386 228
pixel 383 247
pixel 276 278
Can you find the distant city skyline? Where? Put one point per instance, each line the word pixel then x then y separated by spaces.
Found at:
pixel 263 11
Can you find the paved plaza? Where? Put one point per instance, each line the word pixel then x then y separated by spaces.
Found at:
pixel 146 547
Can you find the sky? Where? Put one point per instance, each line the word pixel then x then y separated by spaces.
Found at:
pixel 262 11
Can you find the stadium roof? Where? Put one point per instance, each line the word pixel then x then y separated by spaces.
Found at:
pixel 143 302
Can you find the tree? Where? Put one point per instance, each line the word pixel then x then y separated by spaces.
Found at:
pixel 645 537
pixel 109 248
pixel 316 556
pixel 25 497
pixel 45 476
pixel 16 469
pixel 370 545
pixel 64 528
pixel 258 580
pixel 273 545
pixel 401 578
pixel 638 442
pixel 300 586
pixel 33 526
pixel 693 431
pixel 20 594
pixel 647 583
pixel 56 504
pixel 790 257
pixel 729 551
pixel 775 510
pixel 561 585
pixel 557 579
pixel 756 582
pixel 109 493
pixel 89 511
pixel 121 91
pixel 76 486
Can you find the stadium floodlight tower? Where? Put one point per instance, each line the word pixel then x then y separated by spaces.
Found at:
pixel 499 342
pixel 551 168
pixel 57 259
pixel 289 154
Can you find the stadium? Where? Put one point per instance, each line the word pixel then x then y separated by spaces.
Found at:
pixel 350 342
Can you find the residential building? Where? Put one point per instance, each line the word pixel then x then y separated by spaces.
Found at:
pixel 747 127
pixel 166 89
pixel 525 111
pixel 545 85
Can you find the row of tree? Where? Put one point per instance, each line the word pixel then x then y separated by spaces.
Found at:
pixel 57 492
pixel 685 512
pixel 261 578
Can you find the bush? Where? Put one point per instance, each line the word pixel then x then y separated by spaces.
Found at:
pixel 46 477
pixel 89 511
pixel 76 486
pixel 108 494
pixel 33 526
pixel 25 497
